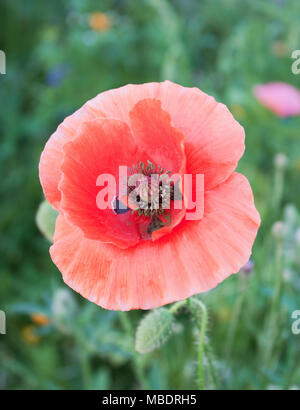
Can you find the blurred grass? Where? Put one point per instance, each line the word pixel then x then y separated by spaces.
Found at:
pixel 55 62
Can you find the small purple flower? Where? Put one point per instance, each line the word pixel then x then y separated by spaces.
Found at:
pixel 248 267
pixel 56 74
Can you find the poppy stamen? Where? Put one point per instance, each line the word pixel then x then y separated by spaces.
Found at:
pixel 150 191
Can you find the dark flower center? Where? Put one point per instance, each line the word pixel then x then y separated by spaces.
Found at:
pixel 149 190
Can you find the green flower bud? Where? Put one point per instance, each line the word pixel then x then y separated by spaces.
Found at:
pixel 154 330
pixel 45 220
pixel 280 160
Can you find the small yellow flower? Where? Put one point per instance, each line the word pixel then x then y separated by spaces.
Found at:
pixel 28 333
pixel 99 21
pixel 40 319
pixel 237 111
pixel 298 164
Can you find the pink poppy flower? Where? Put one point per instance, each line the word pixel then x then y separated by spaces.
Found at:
pixel 281 98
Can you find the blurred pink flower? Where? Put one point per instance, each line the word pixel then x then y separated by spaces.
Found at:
pixel 281 98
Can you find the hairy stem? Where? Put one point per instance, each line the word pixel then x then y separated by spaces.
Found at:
pixel 211 366
pixel 174 308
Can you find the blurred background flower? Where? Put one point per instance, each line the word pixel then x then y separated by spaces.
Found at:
pixel 248 267
pixel 283 99
pixel 99 21
pixel 29 335
pixel 40 319
pixel 56 74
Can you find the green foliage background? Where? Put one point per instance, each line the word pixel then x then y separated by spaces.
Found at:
pixel 55 62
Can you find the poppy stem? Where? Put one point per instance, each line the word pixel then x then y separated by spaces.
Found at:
pixel 196 305
pixel 136 362
pixel 174 308
pixel 211 366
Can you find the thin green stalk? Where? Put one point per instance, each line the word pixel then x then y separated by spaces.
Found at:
pixel 280 163
pixel 235 316
pixel 274 315
pixel 85 368
pixel 278 187
pixel 136 362
pixel 203 326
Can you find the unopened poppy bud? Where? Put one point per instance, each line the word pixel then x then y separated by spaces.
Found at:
pixel 280 161
pixel 278 230
pixel 45 220
pixel 154 330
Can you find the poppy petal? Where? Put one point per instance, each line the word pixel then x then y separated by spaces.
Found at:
pixel 102 145
pixel 52 155
pixel 151 126
pixel 195 258
pixel 214 140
